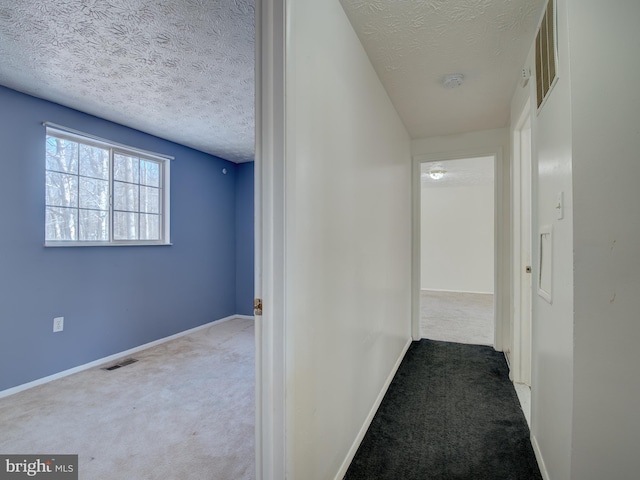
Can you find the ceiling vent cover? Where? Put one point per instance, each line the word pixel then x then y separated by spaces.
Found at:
pixel 546 54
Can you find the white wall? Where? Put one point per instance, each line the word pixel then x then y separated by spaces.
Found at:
pixel 457 146
pixel 457 238
pixel 606 171
pixel 348 239
pixel 586 141
pixel 552 324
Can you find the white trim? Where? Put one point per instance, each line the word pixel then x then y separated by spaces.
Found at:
pixel 244 317
pixel 453 291
pixel 458 154
pixel 374 409
pixel 271 442
pixel 257 239
pixel 105 142
pixel 113 148
pixel 538 454
pixel 166 203
pixel 416 250
pixel 115 356
pixel 80 243
pixel 545 230
pixel 502 252
pixel 521 247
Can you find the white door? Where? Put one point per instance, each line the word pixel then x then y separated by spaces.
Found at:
pixel 520 356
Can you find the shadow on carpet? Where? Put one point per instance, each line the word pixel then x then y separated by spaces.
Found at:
pixel 451 413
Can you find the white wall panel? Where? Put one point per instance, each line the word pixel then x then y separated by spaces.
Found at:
pixel 606 171
pixel 348 239
pixel 552 324
pixel 457 238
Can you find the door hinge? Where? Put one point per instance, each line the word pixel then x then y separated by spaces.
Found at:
pixel 257 306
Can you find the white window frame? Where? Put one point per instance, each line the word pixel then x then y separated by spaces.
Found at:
pixel 116 148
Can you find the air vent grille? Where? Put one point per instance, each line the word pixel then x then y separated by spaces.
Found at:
pixel 546 53
pixel 121 364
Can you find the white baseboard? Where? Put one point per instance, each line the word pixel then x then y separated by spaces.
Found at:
pixel 538 453
pixel 115 356
pixel 354 448
pixel 453 291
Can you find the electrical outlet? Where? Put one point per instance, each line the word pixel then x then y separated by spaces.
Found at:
pixel 58 324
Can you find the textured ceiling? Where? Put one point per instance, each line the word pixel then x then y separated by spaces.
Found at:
pixel 465 172
pixel 183 69
pixel 179 69
pixel 413 44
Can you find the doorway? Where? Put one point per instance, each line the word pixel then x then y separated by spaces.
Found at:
pixel 457 250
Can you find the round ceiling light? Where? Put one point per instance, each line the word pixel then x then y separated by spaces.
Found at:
pixel 453 80
pixel 437 174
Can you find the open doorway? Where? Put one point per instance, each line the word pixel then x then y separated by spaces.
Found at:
pixel 457 250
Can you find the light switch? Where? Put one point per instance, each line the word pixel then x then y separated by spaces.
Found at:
pixel 560 206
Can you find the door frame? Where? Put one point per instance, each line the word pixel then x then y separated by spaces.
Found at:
pixel 270 50
pixel 522 244
pixel 502 238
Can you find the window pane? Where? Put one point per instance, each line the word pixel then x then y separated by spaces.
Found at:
pixel 94 225
pixel 94 162
pixel 149 173
pixel 61 224
pixel 149 200
pixel 126 169
pixel 62 155
pixel 125 226
pixel 125 196
pixel 149 227
pixel 94 193
pixel 99 192
pixel 62 190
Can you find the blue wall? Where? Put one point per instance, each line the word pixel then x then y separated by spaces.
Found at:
pixel 112 298
pixel 244 239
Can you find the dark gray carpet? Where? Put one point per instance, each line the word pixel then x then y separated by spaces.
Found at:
pixel 451 413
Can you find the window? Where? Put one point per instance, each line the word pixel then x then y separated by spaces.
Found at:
pixel 100 193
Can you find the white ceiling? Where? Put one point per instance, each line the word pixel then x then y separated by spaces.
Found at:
pixel 178 69
pixel 184 69
pixel 413 44
pixel 464 172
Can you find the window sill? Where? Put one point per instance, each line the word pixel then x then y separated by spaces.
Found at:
pixel 105 244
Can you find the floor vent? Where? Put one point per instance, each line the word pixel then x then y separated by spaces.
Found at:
pixel 123 363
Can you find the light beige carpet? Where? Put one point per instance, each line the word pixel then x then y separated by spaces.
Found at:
pixel 184 411
pixel 457 317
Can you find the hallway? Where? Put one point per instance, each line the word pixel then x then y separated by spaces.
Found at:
pixel 451 412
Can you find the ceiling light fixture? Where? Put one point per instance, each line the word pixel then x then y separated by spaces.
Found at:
pixel 437 174
pixel 453 80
